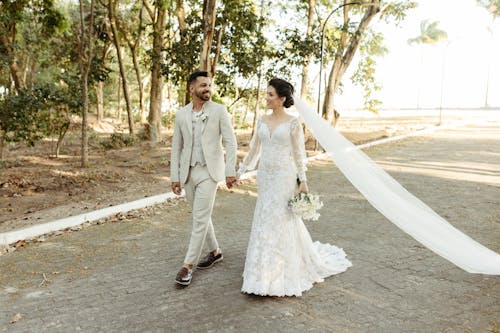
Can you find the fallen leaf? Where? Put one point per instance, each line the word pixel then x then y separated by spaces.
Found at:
pixel 19 243
pixel 16 318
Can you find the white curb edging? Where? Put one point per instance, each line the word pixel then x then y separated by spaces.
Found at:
pixel 11 237
pixel 68 222
pixel 416 133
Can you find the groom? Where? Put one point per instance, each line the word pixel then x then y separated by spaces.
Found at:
pixel 197 162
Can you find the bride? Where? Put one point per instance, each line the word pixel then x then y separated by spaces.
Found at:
pixel 281 259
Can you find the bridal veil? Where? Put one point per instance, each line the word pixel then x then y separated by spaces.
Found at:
pixel 397 204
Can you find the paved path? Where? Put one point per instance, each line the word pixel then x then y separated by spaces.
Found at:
pixel 118 277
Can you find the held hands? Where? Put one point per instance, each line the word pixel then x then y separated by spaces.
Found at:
pixel 233 181
pixel 230 181
pixel 176 188
pixel 303 187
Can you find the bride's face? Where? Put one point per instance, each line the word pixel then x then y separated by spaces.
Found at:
pixel 273 101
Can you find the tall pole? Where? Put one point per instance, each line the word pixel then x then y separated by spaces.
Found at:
pixel 490 28
pixel 321 56
pixel 259 74
pixel 443 65
pixel 321 49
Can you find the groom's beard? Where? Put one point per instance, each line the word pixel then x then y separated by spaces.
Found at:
pixel 203 95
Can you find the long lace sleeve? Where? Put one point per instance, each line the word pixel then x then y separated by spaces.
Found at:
pixel 299 149
pixel 250 161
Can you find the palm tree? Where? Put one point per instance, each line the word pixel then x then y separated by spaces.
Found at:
pixel 492 6
pixel 430 34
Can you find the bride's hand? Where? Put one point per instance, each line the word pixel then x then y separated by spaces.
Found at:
pixel 237 181
pixel 303 187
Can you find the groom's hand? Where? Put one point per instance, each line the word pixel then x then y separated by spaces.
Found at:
pixel 176 188
pixel 303 187
pixel 230 181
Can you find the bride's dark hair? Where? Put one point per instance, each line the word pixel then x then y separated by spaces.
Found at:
pixel 283 89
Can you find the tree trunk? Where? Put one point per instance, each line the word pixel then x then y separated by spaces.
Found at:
pixel 257 100
pixel 60 139
pixel 154 117
pixel 305 68
pixel 1 147
pixel 100 85
pixel 133 46
pixel 344 55
pixel 24 67
pixel 85 55
pixel 112 21
pixel 85 137
pixel 14 71
pixel 32 72
pixel 119 100
pixel 208 33
pixel 181 15
pixel 138 75
pixel 247 107
pixel 100 101
pixel 217 49
pixel 144 83
pixel 259 76
pixel 333 83
pixel 14 67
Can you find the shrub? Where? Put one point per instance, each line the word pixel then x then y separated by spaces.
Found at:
pixel 119 140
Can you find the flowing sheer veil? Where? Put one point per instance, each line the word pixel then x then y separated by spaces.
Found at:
pixel 397 204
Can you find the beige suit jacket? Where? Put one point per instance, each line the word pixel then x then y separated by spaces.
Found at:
pixel 216 129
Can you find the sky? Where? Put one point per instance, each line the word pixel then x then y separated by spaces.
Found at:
pixel 452 74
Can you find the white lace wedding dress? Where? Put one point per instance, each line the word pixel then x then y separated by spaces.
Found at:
pixel 281 259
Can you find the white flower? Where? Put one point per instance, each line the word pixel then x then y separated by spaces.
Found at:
pixel 203 116
pixel 306 205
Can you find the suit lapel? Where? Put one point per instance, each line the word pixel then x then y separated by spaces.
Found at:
pixel 207 112
pixel 189 118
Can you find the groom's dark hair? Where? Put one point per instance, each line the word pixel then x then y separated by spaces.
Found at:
pixel 195 75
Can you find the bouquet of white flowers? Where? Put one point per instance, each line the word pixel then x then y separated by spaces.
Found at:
pixel 305 205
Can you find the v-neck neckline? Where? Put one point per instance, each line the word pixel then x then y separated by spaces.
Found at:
pixel 271 133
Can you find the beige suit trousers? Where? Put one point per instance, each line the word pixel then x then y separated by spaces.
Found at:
pixel 200 192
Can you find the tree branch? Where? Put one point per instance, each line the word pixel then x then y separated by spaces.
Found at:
pixel 149 10
pixel 181 15
pixel 370 13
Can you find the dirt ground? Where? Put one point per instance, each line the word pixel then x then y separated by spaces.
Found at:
pixel 119 276
pixel 37 188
